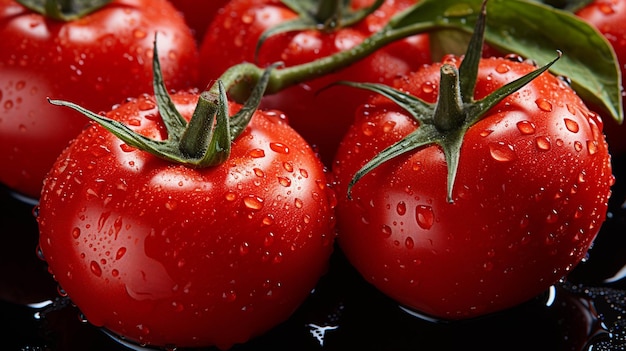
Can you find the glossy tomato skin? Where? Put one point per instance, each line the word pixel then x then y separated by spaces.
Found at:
pixel 96 61
pixel 163 254
pixel 608 16
pixel 530 195
pixel 198 14
pixel 319 116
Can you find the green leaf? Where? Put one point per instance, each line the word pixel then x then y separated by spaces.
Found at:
pixel 534 31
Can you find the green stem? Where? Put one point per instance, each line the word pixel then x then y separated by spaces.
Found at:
pixel 449 113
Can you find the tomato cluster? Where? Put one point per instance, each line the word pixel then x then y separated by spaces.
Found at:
pixel 234 146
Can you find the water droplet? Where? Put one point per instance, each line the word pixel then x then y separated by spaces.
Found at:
pixel 592 147
pixel 386 230
pixel 578 146
pixel 259 172
pixel 571 125
pixel 401 208
pixel 288 166
pixel 409 243
pixel 279 148
pixel 368 128
pixel 503 68
pixel 230 196
pixel 544 104
pixel 256 153
pixel 76 233
pixel 115 273
pixel 95 268
pixel 526 127
pixel 298 203
pixel 543 143
pixel 502 152
pixel 428 87
pixel 120 253
pixel 284 181
pixel 253 202
pixel 424 216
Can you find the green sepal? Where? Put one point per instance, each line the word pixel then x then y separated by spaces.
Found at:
pixel 64 10
pixel 203 142
pixel 446 122
pixel 323 15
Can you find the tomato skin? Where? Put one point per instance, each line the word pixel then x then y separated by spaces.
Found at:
pixel 198 14
pixel 315 114
pixel 168 255
pixel 608 17
pixel 530 195
pixel 96 61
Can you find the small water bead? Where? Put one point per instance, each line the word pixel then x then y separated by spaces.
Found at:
pixel 95 268
pixel 543 143
pixel 279 148
pixel 503 68
pixel 230 196
pixel 368 128
pixel 253 202
pixel 502 152
pixel 386 231
pixel 409 243
pixel 526 127
pixel 592 147
pixel 424 216
pixel 578 146
pixel 544 105
pixel 571 125
pixel 401 208
pixel 256 153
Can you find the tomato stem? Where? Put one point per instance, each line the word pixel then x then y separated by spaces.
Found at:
pixel 449 113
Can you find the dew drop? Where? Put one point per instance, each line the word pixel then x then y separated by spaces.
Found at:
pixel 592 147
pixel 230 196
pixel 409 243
pixel 244 248
pixel 95 268
pixel 571 125
pixel 120 253
pixel 428 87
pixel 386 231
pixel 526 127
pixel 502 152
pixel 253 202
pixel 543 143
pixel 578 146
pixel 368 128
pixel 401 208
pixel 544 104
pixel 76 233
pixel 257 153
pixel 259 172
pixel 424 216
pixel 279 148
pixel 284 181
pixel 288 166
pixel 503 68
pixel 115 273
pixel 298 203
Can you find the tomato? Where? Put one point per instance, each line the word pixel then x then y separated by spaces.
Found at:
pixel 96 61
pixel 608 17
pixel 198 13
pixel 529 197
pixel 165 254
pixel 316 114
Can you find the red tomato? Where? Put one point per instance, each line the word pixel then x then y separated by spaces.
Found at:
pixel 96 61
pixel 163 254
pixel 609 16
pixel 318 116
pixel 529 197
pixel 198 13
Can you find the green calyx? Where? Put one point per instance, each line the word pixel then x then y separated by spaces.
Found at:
pixel 205 140
pixel 64 10
pixel 323 15
pixel 446 122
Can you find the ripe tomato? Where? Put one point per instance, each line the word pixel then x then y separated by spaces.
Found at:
pixel 529 197
pixel 96 61
pixel 163 254
pixel 232 38
pixel 198 14
pixel 608 16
